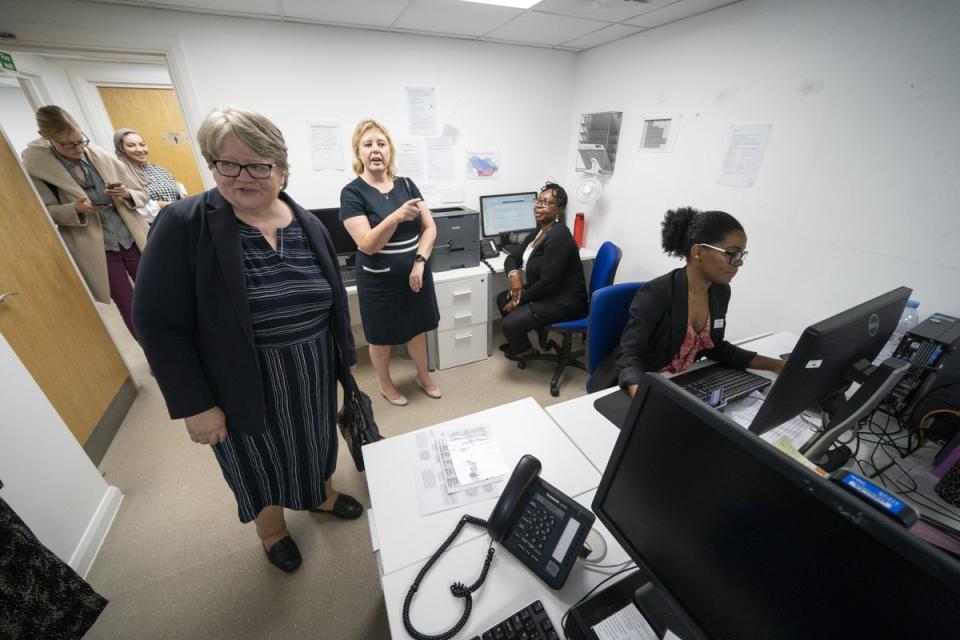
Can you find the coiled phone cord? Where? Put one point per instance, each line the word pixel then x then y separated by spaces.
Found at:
pixel 458 589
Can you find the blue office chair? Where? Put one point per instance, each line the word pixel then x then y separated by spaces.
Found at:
pixel 609 312
pixel 604 271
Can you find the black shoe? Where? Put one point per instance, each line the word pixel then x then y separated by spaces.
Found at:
pixel 505 347
pixel 284 555
pixel 346 507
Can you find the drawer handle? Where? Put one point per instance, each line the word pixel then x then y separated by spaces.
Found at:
pixel 463 317
pixel 465 292
pixel 465 336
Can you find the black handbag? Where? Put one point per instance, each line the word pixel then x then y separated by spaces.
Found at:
pixel 356 422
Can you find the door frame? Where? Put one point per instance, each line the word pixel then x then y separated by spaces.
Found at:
pixel 131 46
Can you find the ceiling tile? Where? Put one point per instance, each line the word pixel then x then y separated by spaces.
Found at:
pixel 606 10
pixel 460 18
pixel 377 13
pixel 608 34
pixel 544 28
pixel 258 7
pixel 676 11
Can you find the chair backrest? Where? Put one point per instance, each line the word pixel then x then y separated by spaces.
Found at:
pixel 609 312
pixel 604 267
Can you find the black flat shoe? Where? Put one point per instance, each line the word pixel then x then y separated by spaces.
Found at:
pixel 346 507
pixel 284 555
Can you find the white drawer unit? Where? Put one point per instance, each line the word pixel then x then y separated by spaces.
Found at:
pixel 462 333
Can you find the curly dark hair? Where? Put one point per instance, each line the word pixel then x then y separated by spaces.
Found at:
pixel 685 227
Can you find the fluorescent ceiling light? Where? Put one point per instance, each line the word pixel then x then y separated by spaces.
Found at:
pixel 516 4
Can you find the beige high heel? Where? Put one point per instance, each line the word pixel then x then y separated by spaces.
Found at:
pixel 430 393
pixel 397 402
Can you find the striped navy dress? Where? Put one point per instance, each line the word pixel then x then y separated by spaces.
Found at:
pixel 290 304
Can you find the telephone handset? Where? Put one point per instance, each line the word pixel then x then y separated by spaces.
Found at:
pixel 544 528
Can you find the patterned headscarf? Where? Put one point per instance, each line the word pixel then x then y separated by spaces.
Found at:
pixel 137 171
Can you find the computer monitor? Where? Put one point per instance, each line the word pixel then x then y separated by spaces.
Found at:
pixel 829 354
pixel 343 243
pixel 753 545
pixel 501 215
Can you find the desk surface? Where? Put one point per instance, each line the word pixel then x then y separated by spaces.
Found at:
pixel 497 263
pixel 509 587
pixel 405 537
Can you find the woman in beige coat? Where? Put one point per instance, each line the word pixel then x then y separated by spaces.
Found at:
pixel 92 200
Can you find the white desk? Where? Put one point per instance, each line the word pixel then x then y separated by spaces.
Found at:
pixel 509 586
pixel 405 537
pixel 498 282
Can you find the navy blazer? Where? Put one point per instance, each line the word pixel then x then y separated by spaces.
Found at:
pixel 192 315
pixel 555 283
pixel 658 325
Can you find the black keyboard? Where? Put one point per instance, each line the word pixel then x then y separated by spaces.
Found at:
pixel 530 623
pixel 732 383
pixel 348 275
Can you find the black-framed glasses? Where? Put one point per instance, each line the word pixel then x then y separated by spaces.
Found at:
pixel 256 170
pixel 537 202
pixel 733 255
pixel 74 145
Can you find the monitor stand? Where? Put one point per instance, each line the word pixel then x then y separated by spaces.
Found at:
pixel 876 383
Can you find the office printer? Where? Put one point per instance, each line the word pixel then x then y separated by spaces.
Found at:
pixel 458 239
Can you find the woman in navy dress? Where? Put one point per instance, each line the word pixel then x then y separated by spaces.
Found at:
pixel 244 321
pixel 394 232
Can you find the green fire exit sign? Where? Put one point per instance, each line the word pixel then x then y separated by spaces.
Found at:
pixel 7 62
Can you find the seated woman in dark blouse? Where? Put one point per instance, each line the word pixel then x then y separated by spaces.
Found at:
pixel 555 290
pixel 680 317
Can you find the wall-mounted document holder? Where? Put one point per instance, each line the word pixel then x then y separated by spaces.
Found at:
pixel 599 138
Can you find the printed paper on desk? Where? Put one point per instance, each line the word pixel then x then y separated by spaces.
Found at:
pixel 432 494
pixel 626 624
pixel 469 456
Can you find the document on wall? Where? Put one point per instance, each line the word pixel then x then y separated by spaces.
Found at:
pixel 745 149
pixel 431 486
pixel 482 165
pixel 410 163
pixel 626 624
pixel 439 158
pixel 422 106
pixel 325 144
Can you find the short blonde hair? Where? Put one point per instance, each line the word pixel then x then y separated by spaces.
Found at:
pixel 254 130
pixel 359 132
pixel 53 120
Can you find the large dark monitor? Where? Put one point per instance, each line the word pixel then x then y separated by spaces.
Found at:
pixel 752 545
pixel 501 215
pixel 829 354
pixel 343 243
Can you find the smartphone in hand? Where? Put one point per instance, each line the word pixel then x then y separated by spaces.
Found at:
pixel 114 185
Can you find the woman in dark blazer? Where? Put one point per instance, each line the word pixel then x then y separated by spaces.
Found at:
pixel 680 317
pixel 244 321
pixel 555 290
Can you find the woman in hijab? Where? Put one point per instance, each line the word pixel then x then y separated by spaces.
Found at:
pixel 152 178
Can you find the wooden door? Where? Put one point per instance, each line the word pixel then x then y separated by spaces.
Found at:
pixel 51 322
pixel 155 115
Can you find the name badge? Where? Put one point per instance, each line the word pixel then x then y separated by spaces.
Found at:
pixel 718 323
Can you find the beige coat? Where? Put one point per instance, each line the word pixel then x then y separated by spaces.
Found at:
pixel 83 234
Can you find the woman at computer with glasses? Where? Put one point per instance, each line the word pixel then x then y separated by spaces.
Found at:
pixel 680 317
pixel 555 290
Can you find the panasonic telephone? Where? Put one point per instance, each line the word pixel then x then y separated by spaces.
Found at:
pixel 544 528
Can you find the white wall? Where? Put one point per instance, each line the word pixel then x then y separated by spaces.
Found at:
pixel 49 480
pixel 18 120
pixel 514 99
pixel 859 189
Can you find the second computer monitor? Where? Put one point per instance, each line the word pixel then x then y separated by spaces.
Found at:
pixel 343 243
pixel 823 359
pixel 503 214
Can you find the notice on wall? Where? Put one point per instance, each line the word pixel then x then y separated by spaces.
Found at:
pixel 482 165
pixel 659 134
pixel 745 149
pixel 410 159
pixel 439 158
pixel 422 106
pixel 325 145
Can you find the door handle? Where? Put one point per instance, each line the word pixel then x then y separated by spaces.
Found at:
pixel 4 296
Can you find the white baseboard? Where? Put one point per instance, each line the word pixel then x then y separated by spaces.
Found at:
pixel 89 545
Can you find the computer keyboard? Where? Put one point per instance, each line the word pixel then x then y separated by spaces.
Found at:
pixel 732 383
pixel 348 275
pixel 530 623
